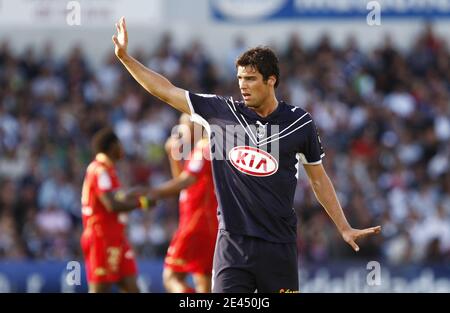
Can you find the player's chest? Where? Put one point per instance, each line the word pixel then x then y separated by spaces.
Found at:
pixel 279 136
pixel 255 148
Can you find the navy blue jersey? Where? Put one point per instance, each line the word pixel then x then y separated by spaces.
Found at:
pixel 255 163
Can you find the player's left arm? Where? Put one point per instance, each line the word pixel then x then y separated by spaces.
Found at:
pixel 326 195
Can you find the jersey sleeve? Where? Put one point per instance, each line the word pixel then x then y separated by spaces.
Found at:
pixel 206 106
pixel 104 181
pixel 311 150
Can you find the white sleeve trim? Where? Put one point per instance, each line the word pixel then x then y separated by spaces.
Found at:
pixel 195 118
pixel 188 99
pixel 195 166
pixel 104 181
pixel 304 161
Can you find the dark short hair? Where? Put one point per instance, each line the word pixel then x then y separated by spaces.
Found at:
pixel 264 60
pixel 103 140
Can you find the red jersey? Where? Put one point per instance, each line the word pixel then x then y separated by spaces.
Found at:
pixel 198 203
pixel 192 247
pixel 101 177
pixel 108 256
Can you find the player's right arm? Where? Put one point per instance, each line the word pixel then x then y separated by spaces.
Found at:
pixel 154 83
pixel 98 184
pixel 118 201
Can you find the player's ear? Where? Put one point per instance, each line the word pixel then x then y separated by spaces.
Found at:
pixel 271 81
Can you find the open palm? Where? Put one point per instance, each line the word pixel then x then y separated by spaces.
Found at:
pixel 351 235
pixel 121 38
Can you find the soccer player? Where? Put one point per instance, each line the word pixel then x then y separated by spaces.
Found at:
pixel 257 145
pixel 108 256
pixel 191 250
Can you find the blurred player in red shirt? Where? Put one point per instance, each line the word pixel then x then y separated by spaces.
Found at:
pixel 191 250
pixel 108 256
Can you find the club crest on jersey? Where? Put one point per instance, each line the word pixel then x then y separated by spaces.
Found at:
pixel 260 130
pixel 253 161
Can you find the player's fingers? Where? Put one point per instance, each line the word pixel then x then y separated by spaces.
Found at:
pixel 370 231
pixel 114 39
pixel 353 245
pixel 377 229
pixel 123 25
pixel 117 28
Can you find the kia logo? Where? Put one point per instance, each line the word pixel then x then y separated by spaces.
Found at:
pixel 253 161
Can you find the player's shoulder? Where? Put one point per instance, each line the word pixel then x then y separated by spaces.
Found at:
pixel 96 168
pixel 211 96
pixel 230 101
pixel 294 112
pixel 217 101
pixel 92 167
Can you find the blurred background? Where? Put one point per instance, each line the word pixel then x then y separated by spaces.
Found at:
pixel 380 96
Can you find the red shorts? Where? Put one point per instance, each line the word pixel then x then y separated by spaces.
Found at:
pixel 108 259
pixel 191 252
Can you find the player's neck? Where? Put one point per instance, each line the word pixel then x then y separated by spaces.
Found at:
pixel 269 106
pixel 104 158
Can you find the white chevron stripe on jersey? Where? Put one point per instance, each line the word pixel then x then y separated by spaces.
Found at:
pixel 266 141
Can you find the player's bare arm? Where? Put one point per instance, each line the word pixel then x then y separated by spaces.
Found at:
pixel 176 166
pixel 326 195
pixel 173 186
pixel 154 83
pixel 120 201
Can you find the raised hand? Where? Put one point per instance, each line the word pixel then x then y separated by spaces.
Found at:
pixel 351 235
pixel 121 38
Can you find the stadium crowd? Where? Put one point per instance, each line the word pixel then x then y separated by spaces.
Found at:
pixel 383 117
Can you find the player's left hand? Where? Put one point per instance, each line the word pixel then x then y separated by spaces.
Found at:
pixel 351 235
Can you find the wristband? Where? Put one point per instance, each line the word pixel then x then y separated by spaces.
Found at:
pixel 143 202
